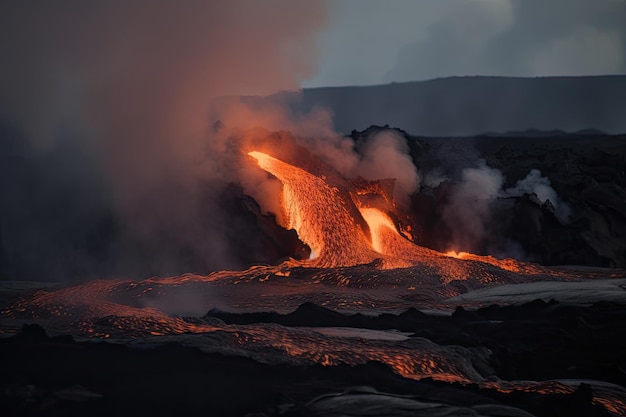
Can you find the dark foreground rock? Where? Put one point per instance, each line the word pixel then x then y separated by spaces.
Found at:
pixel 540 341
pixel 535 341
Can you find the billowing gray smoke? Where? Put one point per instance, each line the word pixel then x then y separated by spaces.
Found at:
pixel 535 183
pixel 113 164
pixel 469 208
pixel 107 153
pixel 473 202
pixel 111 161
pixel 385 154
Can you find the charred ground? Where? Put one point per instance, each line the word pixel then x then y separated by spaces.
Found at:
pixel 538 341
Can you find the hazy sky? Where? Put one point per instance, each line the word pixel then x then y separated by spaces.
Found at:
pixel 373 42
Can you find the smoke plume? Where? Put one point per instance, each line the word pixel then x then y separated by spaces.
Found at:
pixel 535 183
pixel 385 154
pixel 473 210
pixel 120 91
pixel 469 208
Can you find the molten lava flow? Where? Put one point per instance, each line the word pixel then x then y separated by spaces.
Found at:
pixel 319 215
pixel 507 264
pixel 377 221
pixel 326 218
pixel 346 234
pixel 399 252
pixel 388 241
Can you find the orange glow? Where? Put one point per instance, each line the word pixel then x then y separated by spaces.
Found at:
pixel 319 215
pixel 327 220
pixel 378 222
pixel 388 241
pixel 611 402
pixel 507 264
pixel 354 248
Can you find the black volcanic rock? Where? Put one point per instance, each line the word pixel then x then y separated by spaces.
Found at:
pixel 536 341
pixel 587 173
pixel 307 314
pixel 32 333
pixel 309 310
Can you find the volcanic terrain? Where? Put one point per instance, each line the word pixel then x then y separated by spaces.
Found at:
pixel 370 315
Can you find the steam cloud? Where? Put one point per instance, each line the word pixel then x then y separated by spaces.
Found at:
pixel 535 183
pixel 472 206
pixel 385 154
pixel 116 95
pixel 108 107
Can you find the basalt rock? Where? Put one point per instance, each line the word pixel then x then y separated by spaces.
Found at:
pixel 587 171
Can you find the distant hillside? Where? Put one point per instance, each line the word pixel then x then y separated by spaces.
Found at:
pixel 460 106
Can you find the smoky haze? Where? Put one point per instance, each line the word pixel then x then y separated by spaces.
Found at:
pixel 108 161
pixel 111 163
pixel 519 38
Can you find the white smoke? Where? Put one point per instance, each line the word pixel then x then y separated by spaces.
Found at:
pixel 469 208
pixel 434 177
pixel 130 83
pixel 535 183
pixel 385 154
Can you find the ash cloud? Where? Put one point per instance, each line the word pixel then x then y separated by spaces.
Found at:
pixel 519 38
pixel 381 154
pixel 105 111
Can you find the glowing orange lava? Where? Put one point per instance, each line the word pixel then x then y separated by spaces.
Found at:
pixel 327 219
pixel 360 262
pixel 399 252
pixel 507 264
pixel 377 221
pixel 319 215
